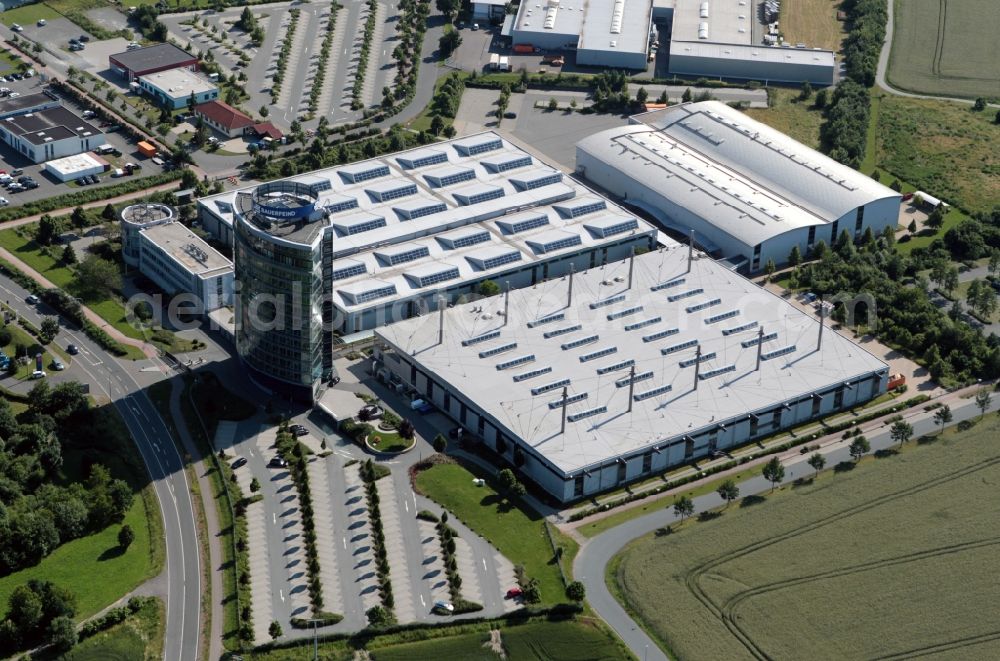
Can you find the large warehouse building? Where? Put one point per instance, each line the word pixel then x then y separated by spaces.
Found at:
pixel 588 382
pixel 708 38
pixel 354 247
pixel 749 193
pixel 132 64
pixel 41 129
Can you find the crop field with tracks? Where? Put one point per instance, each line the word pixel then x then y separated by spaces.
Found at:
pixel 946 47
pixel 895 557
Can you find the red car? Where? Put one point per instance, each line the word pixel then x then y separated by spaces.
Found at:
pixel 514 593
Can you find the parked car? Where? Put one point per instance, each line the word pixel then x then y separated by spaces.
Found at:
pixel 57 365
pixel 30 185
pixel 441 605
pixel 4 201
pixel 514 593
pixel 72 349
pixel 242 461
pixel 277 462
pixel 15 27
pixel 42 22
pixel 31 299
pixel 38 374
pixel 16 171
pixel 84 37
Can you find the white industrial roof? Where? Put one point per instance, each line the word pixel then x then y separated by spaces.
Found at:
pixel 594 341
pixel 749 180
pixel 754 52
pixel 728 21
pixel 68 165
pixel 481 225
pixel 178 83
pixel 611 25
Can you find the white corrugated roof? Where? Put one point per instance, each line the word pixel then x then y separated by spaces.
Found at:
pixel 748 179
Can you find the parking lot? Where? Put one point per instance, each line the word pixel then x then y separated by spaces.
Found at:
pixel 301 71
pixel 47 184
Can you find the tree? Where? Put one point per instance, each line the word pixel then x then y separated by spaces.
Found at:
pixel 47 229
pixel 440 443
pixel 97 278
pixel 449 43
pixel 125 537
pixel 448 7
pixel 254 485
pixel 192 102
pixel 994 265
pixel 859 447
pixel 24 609
pixel 109 213
pixel 687 95
pixel 996 119
pixel 78 218
pixel 982 401
pixel 901 431
pixel 576 591
pixel 774 472
pixel 936 217
pixel 979 105
pixel 377 616
pixel 806 92
pixel 769 269
pixel 553 104
pixel 728 491
pixel 275 630
pixel 683 507
pixel 950 281
pixel 407 430
pixel 488 288
pixel 817 462
pixel 49 328
pixel 62 634
pixel 912 227
pixel 507 479
pixel 68 255
pixel 795 256
pixel 641 96
pixel 437 124
pixel 821 99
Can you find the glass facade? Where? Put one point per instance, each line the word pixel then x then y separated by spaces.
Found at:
pixel 280 312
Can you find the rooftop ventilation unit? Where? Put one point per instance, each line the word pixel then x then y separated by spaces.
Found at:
pixel 617 13
pixel 703 10
pixel 572 399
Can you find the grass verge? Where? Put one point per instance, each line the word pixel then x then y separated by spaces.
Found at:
pixel 514 529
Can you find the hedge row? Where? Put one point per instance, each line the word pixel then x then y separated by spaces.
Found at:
pixel 447 536
pixel 70 308
pixel 324 57
pixel 863 45
pixel 369 475
pixel 294 453
pixel 286 50
pixel 369 33
pixel 358 640
pixel 112 617
pixel 777 449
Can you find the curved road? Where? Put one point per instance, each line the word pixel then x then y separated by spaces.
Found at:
pixel 105 374
pixel 883 67
pixel 592 561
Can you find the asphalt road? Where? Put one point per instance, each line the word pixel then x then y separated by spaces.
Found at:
pixel 594 556
pixel 115 379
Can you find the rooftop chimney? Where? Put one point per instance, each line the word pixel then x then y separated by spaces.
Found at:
pixel 697 367
pixel 690 250
pixel 760 347
pixel 564 407
pixel 631 387
pixel 506 302
pixel 441 307
pixel 631 265
pixel 569 296
pixel 822 313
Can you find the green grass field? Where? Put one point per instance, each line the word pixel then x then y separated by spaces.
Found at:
pixel 945 48
pixel 517 532
pixel 91 567
pixel 572 640
pixel 894 557
pixel 28 14
pixel 940 147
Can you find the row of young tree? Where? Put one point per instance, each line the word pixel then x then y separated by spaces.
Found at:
pixel 39 508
